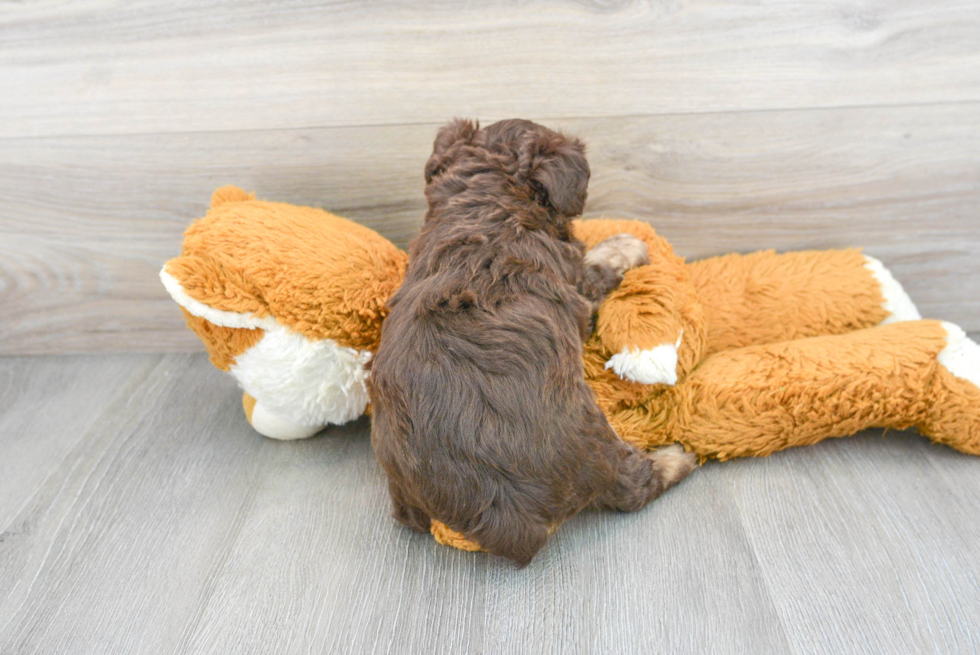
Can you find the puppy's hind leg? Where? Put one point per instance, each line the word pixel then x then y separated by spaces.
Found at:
pixel 640 477
pixel 406 514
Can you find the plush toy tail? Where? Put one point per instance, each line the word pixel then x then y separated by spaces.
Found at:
pixel 225 333
pixel 446 536
pixel 756 400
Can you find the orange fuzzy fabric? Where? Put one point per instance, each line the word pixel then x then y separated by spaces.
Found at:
pixel 765 298
pixel 318 274
pixel 776 350
pixel 223 344
pixel 759 399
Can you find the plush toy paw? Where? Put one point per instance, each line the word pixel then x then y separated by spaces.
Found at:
pixel 952 408
pixel 897 303
pixel 620 252
pixel 269 425
pixel 961 356
pixel 647 365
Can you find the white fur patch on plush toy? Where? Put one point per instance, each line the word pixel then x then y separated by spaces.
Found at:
pixel 647 366
pixel 961 356
pixel 269 425
pixel 897 303
pixel 313 383
pixel 299 385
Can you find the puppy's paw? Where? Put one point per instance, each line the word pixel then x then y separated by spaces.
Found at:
pixel 620 252
pixel 672 464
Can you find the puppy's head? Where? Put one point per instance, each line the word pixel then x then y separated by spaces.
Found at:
pixel 549 167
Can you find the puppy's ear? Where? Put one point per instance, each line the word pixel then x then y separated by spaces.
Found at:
pixel 555 166
pixel 453 133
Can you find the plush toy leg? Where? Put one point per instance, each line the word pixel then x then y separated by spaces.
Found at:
pixel 269 425
pixel 766 297
pixel 652 325
pixel 953 416
pixel 895 300
pixel 757 400
pixel 301 385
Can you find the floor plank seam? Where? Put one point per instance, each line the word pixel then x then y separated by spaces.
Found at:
pixel 192 627
pixel 784 628
pixel 554 119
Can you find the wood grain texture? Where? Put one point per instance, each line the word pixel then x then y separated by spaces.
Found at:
pixel 95 67
pixel 117 547
pixel 165 525
pixel 878 514
pixel 36 439
pixel 619 583
pixel 86 222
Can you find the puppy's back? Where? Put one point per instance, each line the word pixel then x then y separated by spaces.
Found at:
pixel 477 419
pixel 479 396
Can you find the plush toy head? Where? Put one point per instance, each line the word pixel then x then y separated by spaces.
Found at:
pixel 290 300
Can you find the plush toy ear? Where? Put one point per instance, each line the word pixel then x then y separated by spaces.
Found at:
pixel 555 166
pixel 228 194
pixel 206 288
pixel 459 131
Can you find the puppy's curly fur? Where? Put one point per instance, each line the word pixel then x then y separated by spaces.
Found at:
pixel 482 418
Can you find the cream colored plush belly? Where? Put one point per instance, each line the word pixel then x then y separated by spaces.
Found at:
pixel 303 381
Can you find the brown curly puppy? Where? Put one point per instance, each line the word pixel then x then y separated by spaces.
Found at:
pixel 481 415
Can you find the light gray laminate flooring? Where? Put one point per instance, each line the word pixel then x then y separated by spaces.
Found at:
pixel 140 514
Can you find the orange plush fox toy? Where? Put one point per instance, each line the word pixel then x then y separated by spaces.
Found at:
pixel 732 356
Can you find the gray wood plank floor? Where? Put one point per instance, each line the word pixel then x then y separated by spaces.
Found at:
pixel 140 514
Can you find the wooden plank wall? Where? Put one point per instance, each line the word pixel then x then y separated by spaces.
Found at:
pixel 733 125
